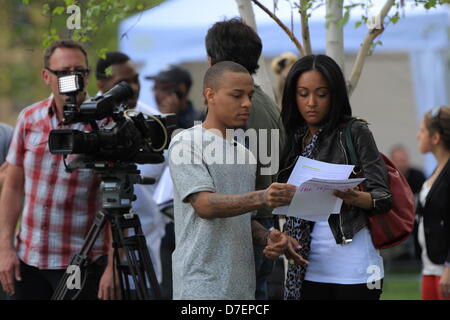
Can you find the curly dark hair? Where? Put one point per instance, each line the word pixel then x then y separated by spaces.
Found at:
pixel 233 40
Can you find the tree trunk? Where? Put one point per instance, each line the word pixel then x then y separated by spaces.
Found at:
pixel 335 32
pixel 304 21
pixel 262 76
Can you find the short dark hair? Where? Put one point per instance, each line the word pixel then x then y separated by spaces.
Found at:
pixel 340 109
pixel 214 74
pixel 111 58
pixel 233 40
pixel 64 43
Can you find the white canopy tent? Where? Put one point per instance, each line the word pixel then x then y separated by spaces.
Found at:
pixel 174 32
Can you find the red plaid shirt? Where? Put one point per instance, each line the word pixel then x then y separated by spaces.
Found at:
pixel 59 207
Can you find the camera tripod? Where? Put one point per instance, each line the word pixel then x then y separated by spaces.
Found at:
pixel 117 195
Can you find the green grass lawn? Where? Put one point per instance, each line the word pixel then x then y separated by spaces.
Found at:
pixel 401 286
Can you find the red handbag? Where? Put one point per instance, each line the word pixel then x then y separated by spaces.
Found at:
pixel 393 227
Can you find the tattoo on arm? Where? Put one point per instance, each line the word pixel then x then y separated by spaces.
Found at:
pixel 259 234
pixel 232 205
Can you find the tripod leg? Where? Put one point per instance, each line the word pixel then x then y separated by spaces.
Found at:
pixel 138 258
pixel 79 260
pixel 144 257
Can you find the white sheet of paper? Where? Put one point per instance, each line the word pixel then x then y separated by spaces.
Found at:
pixel 314 199
pixel 317 205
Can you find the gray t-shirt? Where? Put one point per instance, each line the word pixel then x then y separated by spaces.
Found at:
pixel 6 132
pixel 213 258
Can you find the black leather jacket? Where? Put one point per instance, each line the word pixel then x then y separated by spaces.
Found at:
pixel 332 148
pixel 436 218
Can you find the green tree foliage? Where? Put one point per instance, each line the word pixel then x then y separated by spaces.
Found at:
pixel 28 26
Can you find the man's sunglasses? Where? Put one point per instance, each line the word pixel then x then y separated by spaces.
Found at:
pixel 62 73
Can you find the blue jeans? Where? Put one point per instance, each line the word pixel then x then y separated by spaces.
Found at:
pixel 263 265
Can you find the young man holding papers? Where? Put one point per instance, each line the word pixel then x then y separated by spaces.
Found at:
pixel 214 183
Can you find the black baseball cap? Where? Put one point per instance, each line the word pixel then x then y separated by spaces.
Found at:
pixel 172 74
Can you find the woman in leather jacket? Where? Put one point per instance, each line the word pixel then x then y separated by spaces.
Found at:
pixel 343 263
pixel 433 209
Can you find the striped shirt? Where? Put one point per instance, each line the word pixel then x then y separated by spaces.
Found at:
pixel 59 207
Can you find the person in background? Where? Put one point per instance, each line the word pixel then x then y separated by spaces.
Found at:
pixel 280 67
pixel 415 177
pixel 171 87
pixel 171 91
pixel 113 69
pixel 434 206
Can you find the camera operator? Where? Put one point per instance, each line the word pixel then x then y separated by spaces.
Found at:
pixel 117 67
pixel 59 207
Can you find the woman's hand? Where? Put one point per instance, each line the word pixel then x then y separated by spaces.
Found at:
pixel 356 198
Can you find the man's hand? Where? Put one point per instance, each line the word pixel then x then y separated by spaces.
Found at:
pixel 279 243
pixel 107 289
pixel 444 283
pixel 279 194
pixel 9 269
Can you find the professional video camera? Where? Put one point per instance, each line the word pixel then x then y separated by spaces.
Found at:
pixel 121 139
pixel 124 135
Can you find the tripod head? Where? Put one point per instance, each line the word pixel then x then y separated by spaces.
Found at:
pixel 118 179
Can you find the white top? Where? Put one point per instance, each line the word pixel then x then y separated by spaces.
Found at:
pixel 355 263
pixel 428 267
